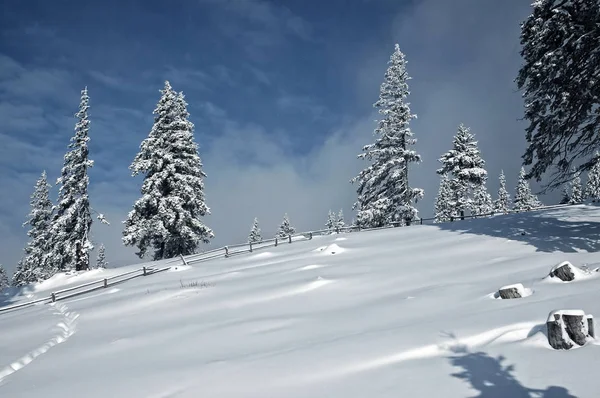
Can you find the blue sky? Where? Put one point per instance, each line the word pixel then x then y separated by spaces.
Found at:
pixel 281 94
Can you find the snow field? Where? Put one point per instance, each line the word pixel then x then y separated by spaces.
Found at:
pixel 386 315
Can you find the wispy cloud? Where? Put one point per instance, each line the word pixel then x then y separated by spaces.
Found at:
pixel 299 103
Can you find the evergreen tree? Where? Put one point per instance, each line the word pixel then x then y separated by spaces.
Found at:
pixel 34 265
pixel 384 192
pixel 72 221
pixel 464 163
pixel 482 201
pixel 255 234
pixel 559 77
pixel 592 189
pixel 444 208
pixel 168 216
pixel 285 229
pixel 524 199
pixel 3 278
pixel 101 259
pixel 502 204
pixel 340 220
pixel 566 196
pixel 331 221
pixel 576 190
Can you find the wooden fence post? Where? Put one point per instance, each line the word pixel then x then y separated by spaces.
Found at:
pixel 53 296
pixel 144 270
pixel 275 241
pixel 250 247
pixel 226 251
pixel 105 282
pixel 290 238
pixel 183 259
pixel 451 218
pixel 310 235
pixel 421 221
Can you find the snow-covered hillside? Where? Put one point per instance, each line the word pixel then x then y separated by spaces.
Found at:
pixel 405 312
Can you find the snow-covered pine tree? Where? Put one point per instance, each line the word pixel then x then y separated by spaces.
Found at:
pixel 285 229
pixel 101 259
pixel 502 203
pixel 168 216
pixel 330 224
pixel 482 201
pixel 444 205
pixel 34 266
pixel 255 234
pixel 3 278
pixel 466 167
pixel 576 190
pixel 565 196
pixel 524 199
pixel 384 192
pixel 340 220
pixel 70 228
pixel 592 188
pixel 559 77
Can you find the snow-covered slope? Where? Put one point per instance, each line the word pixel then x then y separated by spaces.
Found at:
pixel 401 312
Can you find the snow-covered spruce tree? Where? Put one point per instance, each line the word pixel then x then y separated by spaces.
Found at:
pixel 524 199
pixel 34 266
pixel 482 201
pixel 384 192
pixel 168 216
pixel 285 229
pixel 3 278
pixel 101 259
pixel 444 205
pixel 255 234
pixel 465 166
pixel 576 190
pixel 502 203
pixel 592 188
pixel 331 221
pixel 340 220
pixel 559 77
pixel 565 196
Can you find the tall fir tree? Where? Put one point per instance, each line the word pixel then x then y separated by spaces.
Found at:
pixel 285 229
pixel 70 228
pixel 524 200
pixel 444 205
pixel 331 221
pixel 565 196
pixel 466 167
pixel 576 190
pixel 255 234
pixel 168 216
pixel 101 259
pixel 592 188
pixel 384 192
pixel 559 79
pixel 340 223
pixel 34 265
pixel 502 203
pixel 3 278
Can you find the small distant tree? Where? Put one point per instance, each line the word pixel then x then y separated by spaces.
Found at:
pixel 502 204
pixel 592 188
pixel 565 196
pixel 482 201
pixel 524 199
pixel 255 234
pixel 331 221
pixel 3 278
pixel 340 220
pixel 285 229
pixel 101 259
pixel 443 202
pixel 576 190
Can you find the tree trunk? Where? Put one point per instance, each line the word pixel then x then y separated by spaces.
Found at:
pixel 567 328
pixel 509 293
pixel 564 273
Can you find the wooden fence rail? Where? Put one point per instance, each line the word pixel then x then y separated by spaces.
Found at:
pixel 226 251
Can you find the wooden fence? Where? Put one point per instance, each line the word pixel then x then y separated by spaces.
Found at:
pixel 226 252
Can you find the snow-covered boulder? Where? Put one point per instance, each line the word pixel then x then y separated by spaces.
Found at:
pixel 513 291
pixel 567 328
pixel 566 272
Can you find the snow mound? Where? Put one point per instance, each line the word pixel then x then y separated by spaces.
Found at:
pixel 179 268
pixel 331 249
pixel 567 272
pixel 309 267
pixel 67 278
